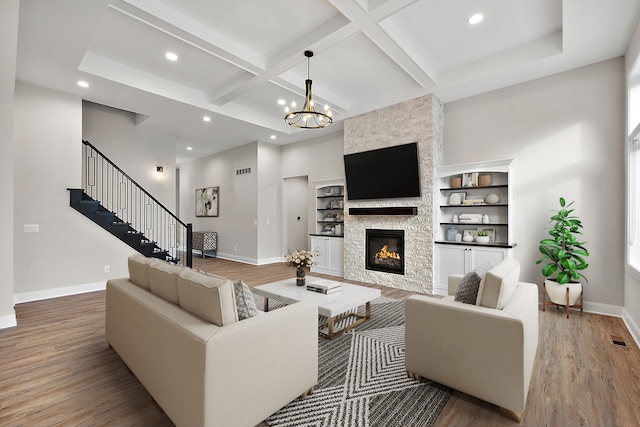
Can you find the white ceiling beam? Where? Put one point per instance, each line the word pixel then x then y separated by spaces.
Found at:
pixel 369 23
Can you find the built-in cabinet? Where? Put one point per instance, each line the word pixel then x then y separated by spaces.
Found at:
pixel 328 255
pixel 327 242
pixel 473 197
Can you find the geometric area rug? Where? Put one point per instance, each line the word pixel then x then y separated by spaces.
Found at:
pixel 363 381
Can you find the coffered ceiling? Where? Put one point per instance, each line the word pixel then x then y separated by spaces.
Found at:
pixel 237 58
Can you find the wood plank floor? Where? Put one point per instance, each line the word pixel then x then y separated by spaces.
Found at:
pixel 57 370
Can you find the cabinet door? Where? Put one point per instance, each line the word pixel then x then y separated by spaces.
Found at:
pixel 319 251
pixel 451 260
pixel 481 255
pixel 335 257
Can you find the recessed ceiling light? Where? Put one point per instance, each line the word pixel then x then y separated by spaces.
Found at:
pixel 189 148
pixel 82 83
pixel 474 19
pixel 281 102
pixel 206 118
pixel 171 56
pixel 273 137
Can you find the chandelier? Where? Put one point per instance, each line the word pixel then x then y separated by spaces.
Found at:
pixel 308 117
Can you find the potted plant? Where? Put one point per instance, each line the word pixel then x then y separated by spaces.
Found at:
pixel 563 256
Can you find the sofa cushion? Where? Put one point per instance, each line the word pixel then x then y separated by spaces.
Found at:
pixel 162 280
pixel 467 291
pixel 499 284
pixel 138 270
pixel 245 303
pixel 208 297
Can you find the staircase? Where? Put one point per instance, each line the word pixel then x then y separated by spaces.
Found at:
pixel 114 201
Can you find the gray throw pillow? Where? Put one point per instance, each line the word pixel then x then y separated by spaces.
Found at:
pixel 245 304
pixel 467 292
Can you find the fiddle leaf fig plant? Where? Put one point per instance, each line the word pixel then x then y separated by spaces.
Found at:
pixel 562 254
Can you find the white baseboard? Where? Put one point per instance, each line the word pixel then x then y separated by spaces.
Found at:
pixel 8 321
pixel 58 292
pixel 605 309
pixel 632 326
pixel 270 260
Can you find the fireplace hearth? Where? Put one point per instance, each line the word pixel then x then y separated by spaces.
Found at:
pixel 385 250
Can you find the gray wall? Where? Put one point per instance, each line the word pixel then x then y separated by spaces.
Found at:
pixel 69 253
pixel 237 220
pixel 8 47
pixel 631 279
pixel 319 159
pixel 136 150
pixel 567 133
pixel 269 204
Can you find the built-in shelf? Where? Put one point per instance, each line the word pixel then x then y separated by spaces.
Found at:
pixel 492 245
pixel 399 210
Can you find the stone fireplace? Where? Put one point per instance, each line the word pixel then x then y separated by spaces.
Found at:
pixel 419 120
pixel 385 250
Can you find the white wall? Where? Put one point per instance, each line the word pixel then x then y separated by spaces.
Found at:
pixel 8 47
pixel 134 149
pixel 237 220
pixel 567 133
pixel 69 253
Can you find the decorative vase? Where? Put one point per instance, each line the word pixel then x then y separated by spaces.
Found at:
pixel 558 293
pixel 492 199
pixel 300 273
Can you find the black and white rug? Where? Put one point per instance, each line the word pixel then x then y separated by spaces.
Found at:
pixel 363 382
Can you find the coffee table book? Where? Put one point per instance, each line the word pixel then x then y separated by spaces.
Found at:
pixel 324 286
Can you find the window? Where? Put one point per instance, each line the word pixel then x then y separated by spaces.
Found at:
pixel 633 201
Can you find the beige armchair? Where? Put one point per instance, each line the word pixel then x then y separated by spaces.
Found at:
pixel 482 351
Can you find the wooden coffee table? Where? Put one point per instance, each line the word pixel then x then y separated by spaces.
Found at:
pixel 336 306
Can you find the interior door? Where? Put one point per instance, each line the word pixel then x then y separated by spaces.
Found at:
pixel 296 213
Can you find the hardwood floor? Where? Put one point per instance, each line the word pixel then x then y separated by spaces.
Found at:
pixel 56 368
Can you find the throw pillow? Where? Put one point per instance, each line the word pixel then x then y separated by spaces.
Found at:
pixel 467 292
pixel 500 284
pixel 245 304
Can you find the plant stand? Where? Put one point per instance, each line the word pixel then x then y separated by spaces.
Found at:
pixel 545 303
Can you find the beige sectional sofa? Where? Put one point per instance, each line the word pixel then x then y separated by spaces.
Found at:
pixel 485 350
pixel 178 331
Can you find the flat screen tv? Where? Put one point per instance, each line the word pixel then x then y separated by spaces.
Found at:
pixel 384 173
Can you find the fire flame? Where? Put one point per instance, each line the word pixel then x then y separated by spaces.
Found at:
pixel 384 253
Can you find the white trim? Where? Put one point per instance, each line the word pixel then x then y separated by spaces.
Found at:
pixel 58 292
pixel 632 326
pixel 632 271
pixel 8 321
pixel 604 309
pixel 271 260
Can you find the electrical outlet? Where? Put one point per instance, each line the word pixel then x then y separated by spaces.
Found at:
pixel 107 268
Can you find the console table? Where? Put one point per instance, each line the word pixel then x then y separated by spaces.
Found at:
pixel 205 241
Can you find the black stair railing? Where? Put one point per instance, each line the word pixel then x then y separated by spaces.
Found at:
pixel 104 181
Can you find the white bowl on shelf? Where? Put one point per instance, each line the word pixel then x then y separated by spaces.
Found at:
pixel 482 239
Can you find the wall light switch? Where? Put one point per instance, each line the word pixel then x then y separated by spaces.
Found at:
pixel 32 228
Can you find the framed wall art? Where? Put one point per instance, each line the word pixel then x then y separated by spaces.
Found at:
pixel 207 201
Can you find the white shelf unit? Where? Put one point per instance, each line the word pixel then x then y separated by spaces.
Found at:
pixel 330 209
pixel 327 243
pixel 459 256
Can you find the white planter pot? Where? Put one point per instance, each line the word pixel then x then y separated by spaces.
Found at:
pixel 558 293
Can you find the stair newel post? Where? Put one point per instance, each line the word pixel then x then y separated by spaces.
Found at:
pixel 189 245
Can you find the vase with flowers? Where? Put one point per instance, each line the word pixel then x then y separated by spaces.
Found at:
pixel 300 259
